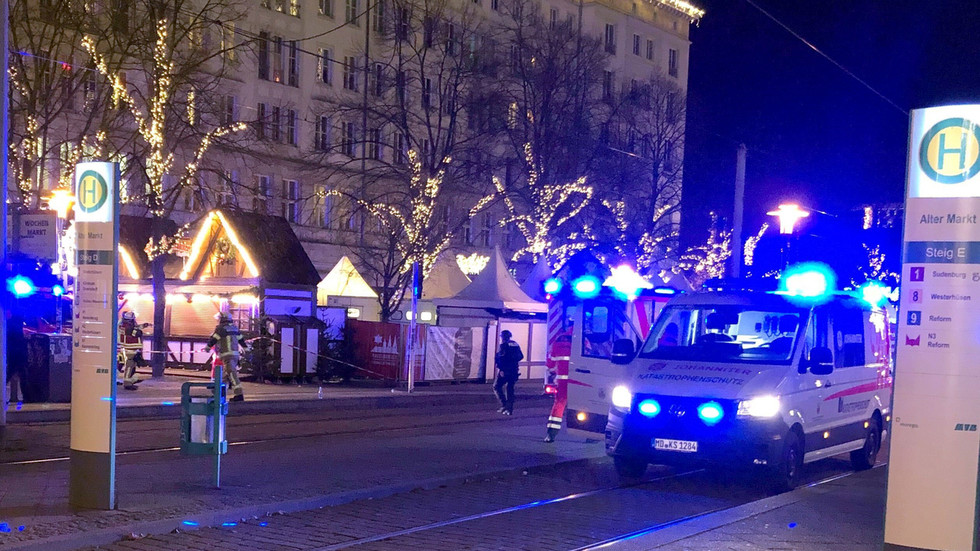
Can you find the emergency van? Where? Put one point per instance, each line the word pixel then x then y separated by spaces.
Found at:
pixel 751 378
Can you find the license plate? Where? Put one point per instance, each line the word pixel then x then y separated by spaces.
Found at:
pixel 675 445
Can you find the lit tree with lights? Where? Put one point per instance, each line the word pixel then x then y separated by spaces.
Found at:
pixel 168 78
pixel 413 232
pixel 708 260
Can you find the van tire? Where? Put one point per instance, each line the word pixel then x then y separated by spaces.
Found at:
pixel 864 458
pixel 787 473
pixel 630 469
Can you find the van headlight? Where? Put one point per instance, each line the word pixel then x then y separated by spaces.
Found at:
pixel 762 407
pixel 622 397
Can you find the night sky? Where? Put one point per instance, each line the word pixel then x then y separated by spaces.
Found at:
pixel 814 134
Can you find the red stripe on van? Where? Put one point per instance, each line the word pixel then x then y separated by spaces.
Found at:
pixel 866 387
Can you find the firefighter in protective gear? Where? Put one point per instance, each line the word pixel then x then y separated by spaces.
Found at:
pixel 227 341
pixel 558 358
pixel 130 349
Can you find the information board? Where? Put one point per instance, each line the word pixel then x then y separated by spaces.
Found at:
pixel 935 445
pixel 93 391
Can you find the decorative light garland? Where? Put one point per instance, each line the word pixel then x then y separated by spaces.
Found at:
pixel 472 264
pixel 752 242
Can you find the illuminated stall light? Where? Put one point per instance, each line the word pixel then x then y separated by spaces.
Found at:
pixel 625 281
pixel 472 264
pixel 244 299
pixel 249 263
pixel 129 262
pixel 198 245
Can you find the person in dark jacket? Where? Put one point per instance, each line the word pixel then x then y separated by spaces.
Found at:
pixel 16 357
pixel 508 358
pixel 227 341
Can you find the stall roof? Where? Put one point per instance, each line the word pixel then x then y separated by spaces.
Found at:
pixel 494 288
pixel 134 234
pixel 268 245
pixel 445 278
pixel 534 284
pixel 343 280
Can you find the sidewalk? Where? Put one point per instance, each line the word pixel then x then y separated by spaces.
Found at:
pixel 160 398
pixel 845 514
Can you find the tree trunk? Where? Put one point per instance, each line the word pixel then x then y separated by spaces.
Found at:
pixel 158 356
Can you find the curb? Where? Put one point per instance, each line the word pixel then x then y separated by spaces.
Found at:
pixel 171 410
pixel 106 536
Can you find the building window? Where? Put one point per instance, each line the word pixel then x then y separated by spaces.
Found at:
pixel 553 18
pixel 261 122
pixel 404 24
pixel 672 63
pixel 400 88
pixel 495 5
pixel 351 13
pixel 321 207
pixel 294 8
pixel 293 76
pixel 291 136
pixel 229 185
pixel 468 232
pixel 228 42
pixel 451 39
pixel 608 79
pixel 264 55
pixel 379 16
pixel 398 147
pixel 229 110
pixel 290 200
pixel 277 55
pixel 324 69
pixel 321 135
pixel 275 125
pixel 378 86
pixel 426 152
pixel 426 93
pixel 348 139
pixel 650 49
pixel 263 192
pixel 350 73
pixel 610 38
pixel 326 8
pixel 636 44
pixel 487 234
pixel 374 144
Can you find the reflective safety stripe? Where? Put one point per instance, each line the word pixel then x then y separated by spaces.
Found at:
pixel 561 358
pixel 554 425
pixel 553 418
pixel 561 377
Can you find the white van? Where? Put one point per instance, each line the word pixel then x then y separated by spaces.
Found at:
pixel 754 379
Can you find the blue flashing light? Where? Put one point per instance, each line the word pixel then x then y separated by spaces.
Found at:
pixel 808 282
pixel 57 290
pixel 586 286
pixel 875 293
pixel 106 398
pixel 263 523
pixel 649 408
pixel 21 286
pixel 666 291
pixel 710 412
pixel 229 524
pixel 552 286
pixel 791 525
pixel 167 403
pixel 189 523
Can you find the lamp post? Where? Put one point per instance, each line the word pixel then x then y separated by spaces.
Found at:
pixel 60 201
pixel 788 215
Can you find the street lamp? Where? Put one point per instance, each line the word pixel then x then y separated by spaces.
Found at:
pixel 788 214
pixel 60 201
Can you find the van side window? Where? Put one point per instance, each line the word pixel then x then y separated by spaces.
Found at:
pixel 849 337
pixel 603 324
pixel 817 332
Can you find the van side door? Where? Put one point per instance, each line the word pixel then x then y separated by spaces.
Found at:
pixel 855 375
pixel 592 374
pixel 810 388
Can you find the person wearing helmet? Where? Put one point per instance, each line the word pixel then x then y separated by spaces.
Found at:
pixel 130 349
pixel 508 358
pixel 227 341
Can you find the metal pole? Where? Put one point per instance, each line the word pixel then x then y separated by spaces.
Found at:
pixel 4 124
pixel 739 211
pixel 412 326
pixel 216 424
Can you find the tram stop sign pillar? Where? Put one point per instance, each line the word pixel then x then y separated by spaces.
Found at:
pixel 92 470
pixel 934 455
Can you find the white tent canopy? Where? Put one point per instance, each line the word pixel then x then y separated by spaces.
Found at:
pixel 343 280
pixel 495 288
pixel 445 278
pixel 535 280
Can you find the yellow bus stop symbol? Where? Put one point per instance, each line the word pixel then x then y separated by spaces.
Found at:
pixel 950 151
pixel 92 191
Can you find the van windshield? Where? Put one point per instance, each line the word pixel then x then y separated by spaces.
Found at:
pixel 740 334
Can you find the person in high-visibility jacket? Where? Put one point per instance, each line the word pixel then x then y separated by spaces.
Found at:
pixel 130 349
pixel 558 358
pixel 228 341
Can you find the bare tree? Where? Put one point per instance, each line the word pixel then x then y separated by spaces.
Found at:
pixel 176 60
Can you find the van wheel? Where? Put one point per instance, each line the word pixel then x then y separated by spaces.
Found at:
pixel 629 469
pixel 786 475
pixel 864 458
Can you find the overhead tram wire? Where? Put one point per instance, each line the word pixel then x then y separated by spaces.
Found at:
pixel 827 57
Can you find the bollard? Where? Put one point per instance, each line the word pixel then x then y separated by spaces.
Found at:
pixel 202 421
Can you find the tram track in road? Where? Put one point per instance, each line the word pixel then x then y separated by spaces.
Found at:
pixel 451 419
